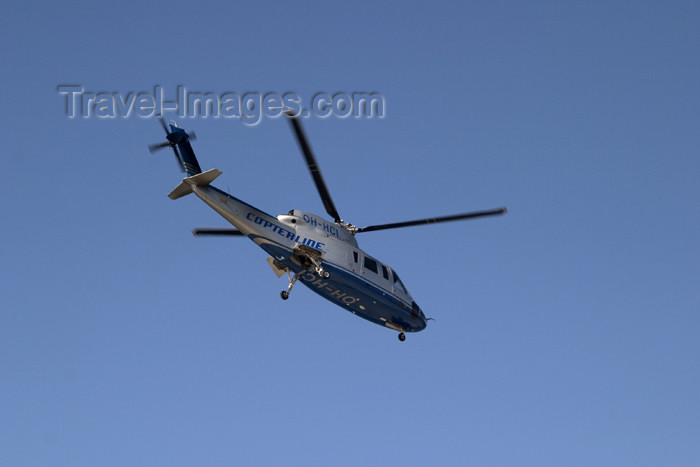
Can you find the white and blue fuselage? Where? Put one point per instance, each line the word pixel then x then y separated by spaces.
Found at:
pixel 356 281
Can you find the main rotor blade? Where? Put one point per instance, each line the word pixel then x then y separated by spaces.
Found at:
pixel 313 169
pixel 220 232
pixel 434 220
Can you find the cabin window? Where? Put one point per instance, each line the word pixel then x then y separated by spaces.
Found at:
pixel 385 272
pixel 371 265
pixel 356 256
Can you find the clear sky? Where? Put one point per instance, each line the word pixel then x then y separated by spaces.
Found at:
pixel 566 333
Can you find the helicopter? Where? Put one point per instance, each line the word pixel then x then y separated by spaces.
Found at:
pixel 324 255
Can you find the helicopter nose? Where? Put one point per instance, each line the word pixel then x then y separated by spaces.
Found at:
pixel 418 313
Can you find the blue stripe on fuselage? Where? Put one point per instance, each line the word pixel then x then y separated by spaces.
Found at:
pixel 350 291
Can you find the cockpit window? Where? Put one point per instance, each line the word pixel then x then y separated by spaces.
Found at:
pixel 398 284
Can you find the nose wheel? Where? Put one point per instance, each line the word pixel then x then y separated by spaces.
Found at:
pixel 402 336
pixel 292 280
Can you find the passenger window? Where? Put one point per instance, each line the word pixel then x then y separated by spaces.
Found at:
pixel 356 256
pixel 385 273
pixel 371 265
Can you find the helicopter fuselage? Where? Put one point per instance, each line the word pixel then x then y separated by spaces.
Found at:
pixel 325 257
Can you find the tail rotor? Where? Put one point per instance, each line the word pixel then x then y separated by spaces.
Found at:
pixel 177 138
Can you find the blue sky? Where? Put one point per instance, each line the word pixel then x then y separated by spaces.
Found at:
pixel 565 333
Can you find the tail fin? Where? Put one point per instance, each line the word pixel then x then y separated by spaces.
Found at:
pixel 201 179
pixel 184 151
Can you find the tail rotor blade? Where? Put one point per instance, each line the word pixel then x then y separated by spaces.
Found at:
pixel 158 146
pixel 163 124
pixel 178 157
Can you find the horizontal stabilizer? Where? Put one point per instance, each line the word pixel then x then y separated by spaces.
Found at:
pixel 201 179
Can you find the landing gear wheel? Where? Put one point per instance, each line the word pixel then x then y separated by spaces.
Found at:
pixel 325 274
pixel 292 280
pixel 402 336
